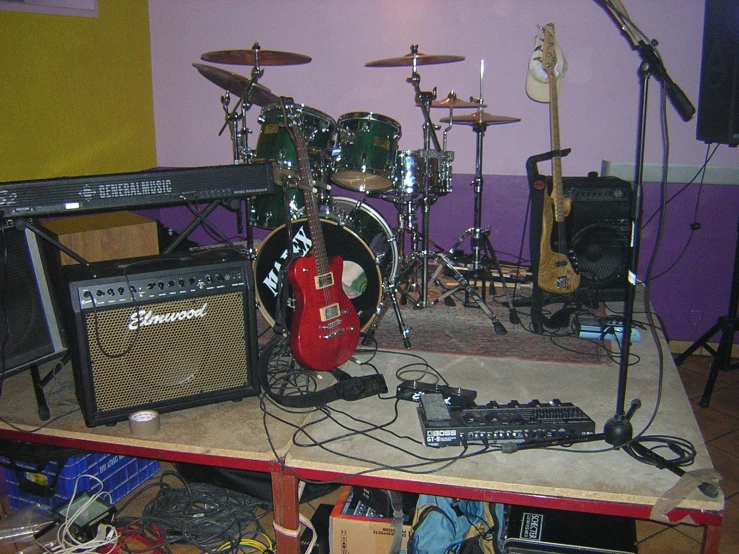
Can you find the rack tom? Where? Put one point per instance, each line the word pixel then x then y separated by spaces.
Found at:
pixel 275 145
pixel 367 144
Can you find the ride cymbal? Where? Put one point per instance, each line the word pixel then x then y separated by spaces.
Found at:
pixel 481 118
pixel 236 84
pixel 249 57
pixel 420 59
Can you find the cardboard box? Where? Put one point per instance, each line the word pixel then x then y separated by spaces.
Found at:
pixel 353 533
pixel 103 236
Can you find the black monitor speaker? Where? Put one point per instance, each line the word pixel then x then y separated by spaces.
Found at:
pixel 30 332
pixel 718 103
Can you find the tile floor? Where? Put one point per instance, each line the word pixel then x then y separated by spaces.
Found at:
pixel 719 424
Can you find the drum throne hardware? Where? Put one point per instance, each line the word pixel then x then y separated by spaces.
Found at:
pixel 425 100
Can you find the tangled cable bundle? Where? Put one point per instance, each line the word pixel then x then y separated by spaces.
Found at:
pixel 212 518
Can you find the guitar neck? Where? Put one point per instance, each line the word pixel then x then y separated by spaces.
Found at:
pixel 311 208
pixel 557 188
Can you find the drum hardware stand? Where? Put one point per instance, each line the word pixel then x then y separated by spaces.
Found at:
pixel 256 73
pixel 424 99
pixel 445 263
pixel 482 248
pixel 389 292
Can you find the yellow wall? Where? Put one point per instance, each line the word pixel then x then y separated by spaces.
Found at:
pixel 76 93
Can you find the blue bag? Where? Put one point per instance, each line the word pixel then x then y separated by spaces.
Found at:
pixel 444 525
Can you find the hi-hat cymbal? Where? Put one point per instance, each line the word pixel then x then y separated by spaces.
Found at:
pixel 249 57
pixel 420 59
pixel 454 102
pixel 481 118
pixel 236 84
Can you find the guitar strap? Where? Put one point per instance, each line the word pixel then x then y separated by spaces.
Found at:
pixel 283 295
pixel 346 387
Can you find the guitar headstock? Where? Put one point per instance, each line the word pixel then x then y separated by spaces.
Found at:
pixel 548 50
pixel 291 118
pixel 294 126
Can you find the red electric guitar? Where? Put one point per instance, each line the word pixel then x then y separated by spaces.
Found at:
pixel 325 326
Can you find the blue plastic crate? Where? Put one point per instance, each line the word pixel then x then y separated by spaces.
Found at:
pixel 120 475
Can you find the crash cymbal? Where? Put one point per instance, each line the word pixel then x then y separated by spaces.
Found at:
pixel 482 118
pixel 236 84
pixel 452 101
pixel 249 57
pixel 421 59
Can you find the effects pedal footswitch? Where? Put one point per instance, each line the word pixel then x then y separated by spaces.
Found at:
pixel 494 423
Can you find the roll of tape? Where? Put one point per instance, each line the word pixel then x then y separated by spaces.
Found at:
pixel 144 423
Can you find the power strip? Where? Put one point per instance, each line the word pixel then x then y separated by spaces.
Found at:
pixel 589 327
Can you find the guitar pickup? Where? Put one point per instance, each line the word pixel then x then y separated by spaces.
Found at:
pixel 330 312
pixel 324 281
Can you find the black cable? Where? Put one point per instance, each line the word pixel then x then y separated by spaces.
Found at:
pixel 212 518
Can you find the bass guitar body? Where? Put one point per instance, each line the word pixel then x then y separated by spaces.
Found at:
pixel 556 273
pixel 325 329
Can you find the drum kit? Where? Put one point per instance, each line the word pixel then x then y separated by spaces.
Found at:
pixel 357 152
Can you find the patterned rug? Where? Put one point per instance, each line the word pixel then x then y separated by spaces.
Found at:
pixel 461 329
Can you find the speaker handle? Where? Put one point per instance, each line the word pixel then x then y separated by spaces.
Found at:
pixel 21 224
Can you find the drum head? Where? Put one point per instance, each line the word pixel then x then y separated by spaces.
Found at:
pixel 361 278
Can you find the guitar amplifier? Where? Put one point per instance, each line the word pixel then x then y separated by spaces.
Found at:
pixel 598 232
pixel 162 333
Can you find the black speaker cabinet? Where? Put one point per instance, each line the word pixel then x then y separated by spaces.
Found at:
pixel 718 102
pixel 598 231
pixel 163 333
pixel 28 316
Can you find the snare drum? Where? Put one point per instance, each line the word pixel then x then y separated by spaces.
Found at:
pixel 351 230
pixel 367 143
pixel 275 145
pixel 410 167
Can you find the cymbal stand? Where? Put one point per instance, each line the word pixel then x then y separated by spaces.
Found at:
pixel 256 74
pixel 238 130
pixel 242 154
pixel 482 249
pixel 424 99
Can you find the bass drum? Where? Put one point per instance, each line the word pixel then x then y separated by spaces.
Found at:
pixel 352 230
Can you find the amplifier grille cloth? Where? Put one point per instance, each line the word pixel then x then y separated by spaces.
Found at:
pixel 169 360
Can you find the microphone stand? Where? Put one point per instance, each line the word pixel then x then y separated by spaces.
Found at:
pixel 618 430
